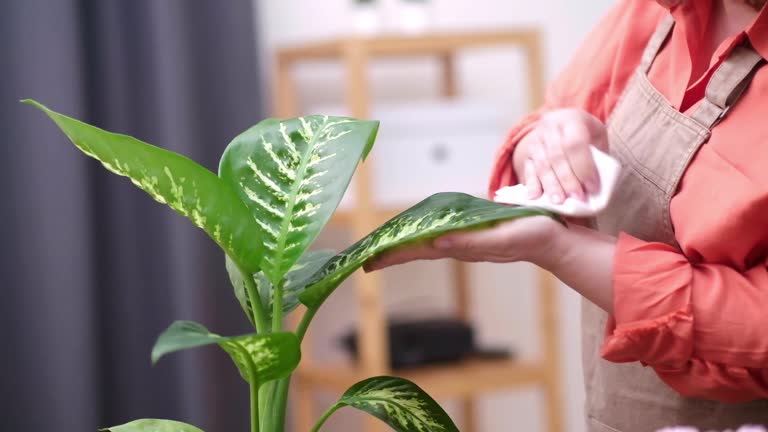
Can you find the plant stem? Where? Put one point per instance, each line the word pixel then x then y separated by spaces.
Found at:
pixel 259 315
pixel 301 330
pixel 281 401
pixel 325 416
pixel 277 306
pixel 254 407
pixel 265 397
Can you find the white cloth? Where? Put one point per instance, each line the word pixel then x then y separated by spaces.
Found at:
pixel 608 169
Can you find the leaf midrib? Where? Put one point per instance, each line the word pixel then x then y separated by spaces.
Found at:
pixel 300 174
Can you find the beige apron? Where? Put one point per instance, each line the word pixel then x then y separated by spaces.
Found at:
pixel 655 143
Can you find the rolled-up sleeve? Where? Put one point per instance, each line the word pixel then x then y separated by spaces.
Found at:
pixel 700 326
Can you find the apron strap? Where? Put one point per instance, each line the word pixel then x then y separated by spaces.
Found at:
pixel 726 85
pixel 655 43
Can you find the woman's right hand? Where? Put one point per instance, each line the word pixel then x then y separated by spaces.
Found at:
pixel 555 158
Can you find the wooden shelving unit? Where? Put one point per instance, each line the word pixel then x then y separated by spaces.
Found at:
pixel 464 381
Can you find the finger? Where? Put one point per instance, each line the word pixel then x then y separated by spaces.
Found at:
pixel 486 241
pixel 505 242
pixel 532 183
pixel 552 188
pixel 562 167
pixel 401 256
pixel 579 156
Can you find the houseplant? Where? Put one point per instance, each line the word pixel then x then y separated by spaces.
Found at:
pixel 278 184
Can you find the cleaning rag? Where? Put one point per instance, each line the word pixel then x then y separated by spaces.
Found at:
pixel 608 169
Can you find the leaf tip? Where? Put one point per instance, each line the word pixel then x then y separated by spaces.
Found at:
pixel 35 104
pixel 154 358
pixel 372 137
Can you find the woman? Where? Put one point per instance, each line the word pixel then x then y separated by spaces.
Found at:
pixel 677 91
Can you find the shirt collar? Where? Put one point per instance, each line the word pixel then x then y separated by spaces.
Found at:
pixel 757 32
pixel 695 16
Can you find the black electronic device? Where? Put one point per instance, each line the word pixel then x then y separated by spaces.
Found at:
pixel 417 343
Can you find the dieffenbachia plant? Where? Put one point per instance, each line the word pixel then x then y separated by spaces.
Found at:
pixel 278 184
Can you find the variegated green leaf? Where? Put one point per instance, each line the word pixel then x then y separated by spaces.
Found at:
pixel 259 358
pixel 240 289
pixel 297 278
pixel 292 174
pixel 436 215
pixel 153 425
pixel 172 179
pixel 295 282
pixel 401 404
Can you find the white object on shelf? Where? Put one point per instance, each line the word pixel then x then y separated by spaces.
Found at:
pixel 608 169
pixel 429 147
pixel 366 20
pixel 413 16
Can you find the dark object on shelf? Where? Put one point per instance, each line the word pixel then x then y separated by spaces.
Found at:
pixel 428 342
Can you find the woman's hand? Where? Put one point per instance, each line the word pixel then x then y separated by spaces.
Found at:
pixel 555 159
pixel 578 256
pixel 532 239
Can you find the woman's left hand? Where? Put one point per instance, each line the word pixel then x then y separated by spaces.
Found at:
pixel 532 239
pixel 580 257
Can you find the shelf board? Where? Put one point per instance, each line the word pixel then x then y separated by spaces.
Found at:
pixel 404 45
pixel 462 379
pixel 345 217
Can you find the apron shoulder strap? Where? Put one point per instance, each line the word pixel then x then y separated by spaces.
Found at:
pixel 655 43
pixel 726 85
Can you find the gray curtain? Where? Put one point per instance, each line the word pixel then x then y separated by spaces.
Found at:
pixel 92 269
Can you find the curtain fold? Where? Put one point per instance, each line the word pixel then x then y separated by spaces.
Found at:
pixel 92 268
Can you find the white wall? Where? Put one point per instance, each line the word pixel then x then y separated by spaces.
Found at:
pixel 503 305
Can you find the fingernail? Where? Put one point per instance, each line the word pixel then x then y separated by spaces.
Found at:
pixel 443 243
pixel 576 196
pixel 555 198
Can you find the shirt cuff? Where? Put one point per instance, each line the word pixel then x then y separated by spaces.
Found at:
pixel 653 320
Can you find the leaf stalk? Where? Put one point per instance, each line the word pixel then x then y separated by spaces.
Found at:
pixel 325 416
pixel 259 315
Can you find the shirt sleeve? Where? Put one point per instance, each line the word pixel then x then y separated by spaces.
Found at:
pixel 700 326
pixel 592 80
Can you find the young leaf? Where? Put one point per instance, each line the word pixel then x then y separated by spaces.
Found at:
pixel 297 278
pixel 172 179
pixel 401 404
pixel 295 282
pixel 153 425
pixel 438 214
pixel 259 358
pixel 240 289
pixel 292 174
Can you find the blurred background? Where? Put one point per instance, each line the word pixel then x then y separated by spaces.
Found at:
pixel 92 269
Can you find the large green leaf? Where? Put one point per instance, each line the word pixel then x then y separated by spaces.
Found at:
pixel 260 358
pixel 172 179
pixel 153 425
pixel 295 282
pixel 401 404
pixel 436 215
pixel 292 174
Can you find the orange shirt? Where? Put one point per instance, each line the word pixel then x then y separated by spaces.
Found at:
pixel 700 317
